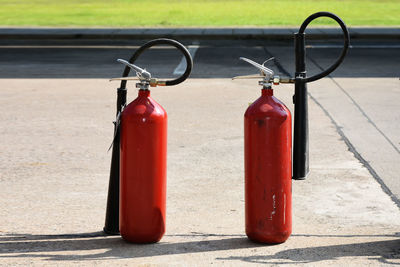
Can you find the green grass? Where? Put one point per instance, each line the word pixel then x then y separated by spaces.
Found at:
pixel 130 13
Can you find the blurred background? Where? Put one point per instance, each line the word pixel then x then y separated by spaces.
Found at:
pixel 207 13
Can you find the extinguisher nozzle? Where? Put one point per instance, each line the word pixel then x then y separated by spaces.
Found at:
pixel 300 178
pixel 110 232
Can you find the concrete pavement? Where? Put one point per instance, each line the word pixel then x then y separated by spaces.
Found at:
pixel 55 174
pixel 55 166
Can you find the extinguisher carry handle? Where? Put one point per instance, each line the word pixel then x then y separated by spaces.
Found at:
pixel 162 41
pixel 345 49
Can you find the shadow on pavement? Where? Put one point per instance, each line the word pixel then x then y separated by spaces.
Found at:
pixel 381 251
pixel 50 246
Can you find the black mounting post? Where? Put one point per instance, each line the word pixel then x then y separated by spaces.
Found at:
pixel 300 132
pixel 112 213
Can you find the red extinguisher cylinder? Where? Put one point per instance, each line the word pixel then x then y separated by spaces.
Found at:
pixel 143 170
pixel 268 170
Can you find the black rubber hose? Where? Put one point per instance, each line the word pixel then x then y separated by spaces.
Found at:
pixel 162 41
pixel 345 46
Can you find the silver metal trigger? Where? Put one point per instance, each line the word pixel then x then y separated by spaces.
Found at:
pixel 144 77
pixel 266 74
pixel 142 74
pixel 264 70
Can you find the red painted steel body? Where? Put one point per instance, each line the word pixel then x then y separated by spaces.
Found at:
pixel 143 169
pixel 268 170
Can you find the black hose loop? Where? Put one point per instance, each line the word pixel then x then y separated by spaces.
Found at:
pixel 345 49
pixel 162 41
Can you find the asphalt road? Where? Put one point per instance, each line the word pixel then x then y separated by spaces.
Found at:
pixel 213 59
pixel 363 106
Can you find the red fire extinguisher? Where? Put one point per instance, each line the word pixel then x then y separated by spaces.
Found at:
pixel 268 145
pixel 143 156
pixel 268 165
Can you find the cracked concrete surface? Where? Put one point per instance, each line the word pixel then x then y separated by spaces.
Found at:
pixel 55 166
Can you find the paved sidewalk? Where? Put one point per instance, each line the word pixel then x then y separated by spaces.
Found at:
pixel 55 168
